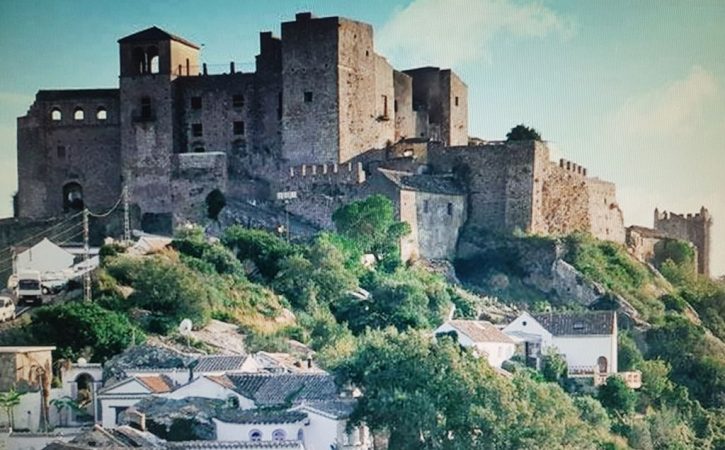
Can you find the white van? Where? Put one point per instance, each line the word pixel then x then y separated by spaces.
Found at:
pixel 7 309
pixel 29 289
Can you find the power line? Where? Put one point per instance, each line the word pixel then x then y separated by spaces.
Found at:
pixel 41 233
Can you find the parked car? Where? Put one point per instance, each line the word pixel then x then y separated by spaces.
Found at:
pixel 7 309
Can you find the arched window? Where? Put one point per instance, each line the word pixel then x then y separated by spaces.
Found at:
pixel 152 60
pixel 300 434
pixel 101 114
pixel 199 149
pixel 255 435
pixel 78 114
pixel 55 115
pixel 278 435
pixel 72 197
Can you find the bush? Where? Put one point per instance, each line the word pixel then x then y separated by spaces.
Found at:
pixel 592 412
pixel 170 291
pixel 263 248
pixel 84 329
pixel 616 396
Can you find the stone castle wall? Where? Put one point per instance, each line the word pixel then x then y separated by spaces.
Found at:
pixel 695 228
pixel 195 175
pixel 54 153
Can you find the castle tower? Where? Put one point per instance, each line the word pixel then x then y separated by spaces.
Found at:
pixel 150 60
pixel 693 228
pixel 337 93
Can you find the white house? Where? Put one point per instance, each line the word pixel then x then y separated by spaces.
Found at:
pixel 216 387
pixel 118 397
pixel 45 256
pixel 587 340
pixel 483 337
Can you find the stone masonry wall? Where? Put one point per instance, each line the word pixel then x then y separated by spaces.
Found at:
pixel 367 94
pixel 53 153
pixel 310 106
pixel 403 106
pixel 606 219
pixel 195 175
pixel 693 228
pixel 440 217
pixel 565 201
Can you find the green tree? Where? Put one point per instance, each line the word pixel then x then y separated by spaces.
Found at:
pixel 554 367
pixel 629 356
pixel 592 412
pixel 371 224
pixel 523 133
pixel 434 395
pixel 616 396
pixel 84 329
pixel 263 248
pixel 8 401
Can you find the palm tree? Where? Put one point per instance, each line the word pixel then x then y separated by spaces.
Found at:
pixel 8 401
pixel 65 403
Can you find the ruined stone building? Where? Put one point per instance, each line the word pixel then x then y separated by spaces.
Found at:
pixel 322 115
pixel 692 228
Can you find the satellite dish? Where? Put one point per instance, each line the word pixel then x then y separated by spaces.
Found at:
pixel 185 327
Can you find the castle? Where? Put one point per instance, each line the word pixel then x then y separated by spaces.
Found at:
pixel 323 116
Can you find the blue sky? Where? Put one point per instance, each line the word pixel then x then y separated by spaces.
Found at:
pixel 632 90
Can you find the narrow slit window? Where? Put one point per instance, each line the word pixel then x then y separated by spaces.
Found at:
pixel 239 127
pixel 238 101
pixel 450 209
pixel 308 97
pixel 197 130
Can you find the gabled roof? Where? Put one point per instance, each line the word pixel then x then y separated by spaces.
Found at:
pixel 480 331
pixel 157 384
pixel 219 363
pixel 221 380
pixel 578 323
pixel 278 389
pixel 155 34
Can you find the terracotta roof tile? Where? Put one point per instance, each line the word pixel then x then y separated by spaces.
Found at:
pixel 157 384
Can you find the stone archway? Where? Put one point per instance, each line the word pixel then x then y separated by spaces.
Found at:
pixel 73 197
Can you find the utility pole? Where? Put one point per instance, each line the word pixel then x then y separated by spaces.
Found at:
pixel 86 258
pixel 126 218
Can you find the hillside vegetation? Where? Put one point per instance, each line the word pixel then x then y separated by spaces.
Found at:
pixel 370 325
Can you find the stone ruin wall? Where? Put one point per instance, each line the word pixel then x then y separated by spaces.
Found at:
pixel 194 176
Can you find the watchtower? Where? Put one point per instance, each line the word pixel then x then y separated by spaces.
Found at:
pixel 694 228
pixel 150 61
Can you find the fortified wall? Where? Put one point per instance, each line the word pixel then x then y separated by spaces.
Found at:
pixel 514 185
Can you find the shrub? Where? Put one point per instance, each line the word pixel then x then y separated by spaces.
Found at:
pixel 264 249
pixel 616 396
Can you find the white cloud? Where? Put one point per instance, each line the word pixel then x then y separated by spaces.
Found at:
pixel 453 32
pixel 675 109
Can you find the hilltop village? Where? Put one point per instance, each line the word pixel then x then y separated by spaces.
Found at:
pixel 216 260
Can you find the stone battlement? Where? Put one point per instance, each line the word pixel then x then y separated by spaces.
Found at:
pixel 572 167
pixel 349 173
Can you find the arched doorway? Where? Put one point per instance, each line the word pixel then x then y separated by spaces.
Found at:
pixel 602 364
pixel 72 197
pixel 83 397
